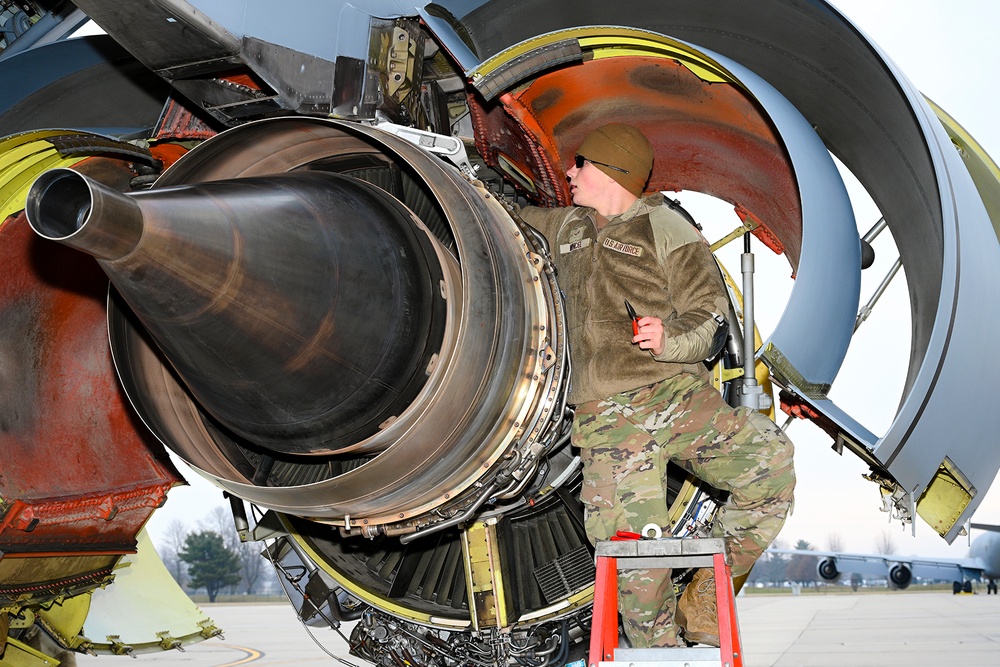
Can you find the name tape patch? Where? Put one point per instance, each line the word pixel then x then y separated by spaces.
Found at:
pixel 624 248
pixel 576 245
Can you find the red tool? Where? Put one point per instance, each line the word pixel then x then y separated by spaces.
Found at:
pixel 635 317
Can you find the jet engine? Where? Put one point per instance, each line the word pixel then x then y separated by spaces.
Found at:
pixel 900 576
pixel 322 299
pixel 827 569
pixel 398 398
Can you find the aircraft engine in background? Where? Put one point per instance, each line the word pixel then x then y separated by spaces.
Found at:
pixel 827 569
pixel 900 576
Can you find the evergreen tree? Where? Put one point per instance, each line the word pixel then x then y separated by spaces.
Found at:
pixel 802 568
pixel 211 565
pixel 251 562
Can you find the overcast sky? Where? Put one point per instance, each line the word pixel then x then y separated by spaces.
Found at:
pixel 949 51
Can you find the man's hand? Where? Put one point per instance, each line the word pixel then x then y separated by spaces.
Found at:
pixel 650 336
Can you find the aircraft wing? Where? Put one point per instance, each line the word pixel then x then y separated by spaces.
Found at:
pixel 897 569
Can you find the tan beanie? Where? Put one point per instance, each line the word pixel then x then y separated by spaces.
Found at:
pixel 622 146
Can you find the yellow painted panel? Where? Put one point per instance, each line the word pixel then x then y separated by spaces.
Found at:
pixel 16 181
pixel 66 617
pixel 654 45
pixel 945 498
pixel 13 140
pixel 143 607
pixel 23 157
pixel 19 654
pixel 984 171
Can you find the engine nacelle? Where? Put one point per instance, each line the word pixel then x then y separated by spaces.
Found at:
pixel 827 569
pixel 365 393
pixel 900 576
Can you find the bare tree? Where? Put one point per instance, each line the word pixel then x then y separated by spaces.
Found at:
pixel 251 564
pixel 885 544
pixel 176 536
pixel 220 521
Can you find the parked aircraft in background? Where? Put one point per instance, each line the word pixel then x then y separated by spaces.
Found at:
pixel 982 563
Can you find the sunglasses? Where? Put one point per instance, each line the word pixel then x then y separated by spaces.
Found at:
pixel 581 159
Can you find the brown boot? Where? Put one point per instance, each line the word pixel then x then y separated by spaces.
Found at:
pixel 697 611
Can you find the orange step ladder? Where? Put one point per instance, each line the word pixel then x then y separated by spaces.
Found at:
pixel 675 553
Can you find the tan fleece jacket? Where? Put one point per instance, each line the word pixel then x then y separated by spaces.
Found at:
pixel 670 274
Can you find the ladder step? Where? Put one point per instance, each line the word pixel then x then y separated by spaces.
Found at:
pixel 670 552
pixel 665 657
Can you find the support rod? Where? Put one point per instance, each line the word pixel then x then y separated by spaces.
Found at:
pixel 751 394
pixel 866 311
pixel 876 229
pixel 749 340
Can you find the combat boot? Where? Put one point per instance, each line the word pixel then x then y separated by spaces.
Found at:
pixel 697 610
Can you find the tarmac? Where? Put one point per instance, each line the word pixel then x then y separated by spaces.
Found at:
pixel 890 629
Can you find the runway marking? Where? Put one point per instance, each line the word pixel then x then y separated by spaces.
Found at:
pixel 251 654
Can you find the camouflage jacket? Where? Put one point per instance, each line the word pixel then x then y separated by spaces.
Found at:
pixel 657 260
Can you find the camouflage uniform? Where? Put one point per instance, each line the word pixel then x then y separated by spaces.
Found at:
pixel 626 442
pixel 662 407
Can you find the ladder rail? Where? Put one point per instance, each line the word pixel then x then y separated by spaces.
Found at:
pixel 673 553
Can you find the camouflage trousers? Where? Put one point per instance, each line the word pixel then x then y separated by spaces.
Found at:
pixel 626 442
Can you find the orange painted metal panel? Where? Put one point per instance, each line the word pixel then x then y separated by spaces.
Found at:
pixel 707 137
pixel 78 473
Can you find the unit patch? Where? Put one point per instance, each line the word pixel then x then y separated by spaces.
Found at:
pixel 624 248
